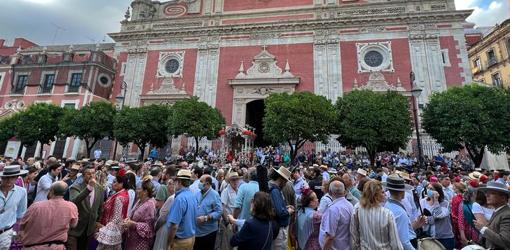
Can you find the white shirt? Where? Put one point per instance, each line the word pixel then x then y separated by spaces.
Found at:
pixel 43 187
pixel 228 199
pixel 479 209
pixel 13 206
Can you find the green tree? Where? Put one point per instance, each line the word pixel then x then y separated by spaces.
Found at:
pixel 472 116
pixel 39 122
pixel 376 121
pixel 91 123
pixel 297 118
pixel 196 119
pixel 142 126
pixel 8 127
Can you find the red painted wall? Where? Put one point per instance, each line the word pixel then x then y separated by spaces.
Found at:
pixel 401 64
pixel 236 5
pixel 300 58
pixel 453 73
pixel 188 76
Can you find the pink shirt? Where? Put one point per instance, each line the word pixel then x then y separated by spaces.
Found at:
pixel 48 221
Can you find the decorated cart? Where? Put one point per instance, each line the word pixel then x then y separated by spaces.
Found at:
pixel 237 143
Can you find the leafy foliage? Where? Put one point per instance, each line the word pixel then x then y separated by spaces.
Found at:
pixel 297 118
pixel 196 119
pixel 377 121
pixel 142 126
pixel 8 127
pixel 472 116
pixel 39 122
pixel 91 123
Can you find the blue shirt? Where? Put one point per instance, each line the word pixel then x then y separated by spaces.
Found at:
pixel 244 196
pixel 13 206
pixel 208 204
pixel 183 213
pixel 280 206
pixel 403 224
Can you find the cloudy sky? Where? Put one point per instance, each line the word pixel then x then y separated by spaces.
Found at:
pixel 48 22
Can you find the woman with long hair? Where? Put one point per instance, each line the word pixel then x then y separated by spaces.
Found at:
pixel 131 188
pixel 115 209
pixel 309 221
pixel 140 225
pixel 260 230
pixel 372 225
pixel 439 221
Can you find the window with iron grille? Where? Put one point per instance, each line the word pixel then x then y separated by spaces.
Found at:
pixel 47 85
pixel 75 83
pixel 496 80
pixel 21 83
pixel 491 57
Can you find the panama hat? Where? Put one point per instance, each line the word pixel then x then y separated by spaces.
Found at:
pixel 361 171
pixel 404 175
pixel 233 175
pixel 283 172
pixel 495 186
pixel 396 183
pixel 184 174
pixel 12 170
pixel 475 175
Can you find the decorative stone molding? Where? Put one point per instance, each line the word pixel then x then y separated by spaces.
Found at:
pixel 375 57
pixel 166 94
pixel 259 81
pixel 377 82
pixel 170 64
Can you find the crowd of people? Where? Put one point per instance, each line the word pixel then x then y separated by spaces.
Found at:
pixel 325 200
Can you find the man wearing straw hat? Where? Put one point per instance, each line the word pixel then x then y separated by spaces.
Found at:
pixel 182 216
pixel 496 233
pixel 13 205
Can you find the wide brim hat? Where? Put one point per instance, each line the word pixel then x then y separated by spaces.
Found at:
pixel 404 175
pixel 495 186
pixel 475 175
pixel 12 170
pixel 184 174
pixel 361 171
pixel 283 172
pixel 396 183
pixel 109 163
pixel 233 175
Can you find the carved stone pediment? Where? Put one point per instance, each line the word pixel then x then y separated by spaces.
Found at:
pixel 264 70
pixel 167 93
pixel 377 82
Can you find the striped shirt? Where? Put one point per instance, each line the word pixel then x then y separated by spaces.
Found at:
pixel 374 229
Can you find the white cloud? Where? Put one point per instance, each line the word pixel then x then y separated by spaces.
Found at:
pixel 464 4
pixel 496 12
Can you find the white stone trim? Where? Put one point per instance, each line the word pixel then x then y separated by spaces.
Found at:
pixel 164 57
pixel 52 147
pixel 327 70
pixel 76 148
pixel 66 147
pixel 135 72
pixel 383 48
pixel 2 79
pixel 75 102
pixel 446 55
pixel 206 75
pixel 463 57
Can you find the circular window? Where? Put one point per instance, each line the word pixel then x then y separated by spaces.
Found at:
pixel 374 58
pixel 172 65
pixel 104 80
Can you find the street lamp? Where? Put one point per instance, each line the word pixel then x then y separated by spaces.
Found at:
pixel 121 98
pixel 416 92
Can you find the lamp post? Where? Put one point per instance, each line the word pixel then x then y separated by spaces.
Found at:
pixel 121 98
pixel 415 93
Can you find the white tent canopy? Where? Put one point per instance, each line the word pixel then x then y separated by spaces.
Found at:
pixel 493 161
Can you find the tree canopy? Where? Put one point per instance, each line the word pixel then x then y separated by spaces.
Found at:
pixel 39 122
pixel 91 123
pixel 376 121
pixel 196 119
pixel 472 116
pixel 297 118
pixel 8 127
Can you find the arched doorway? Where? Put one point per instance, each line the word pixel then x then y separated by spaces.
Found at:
pixel 254 116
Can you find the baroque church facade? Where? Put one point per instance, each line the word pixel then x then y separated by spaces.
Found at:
pixel 233 53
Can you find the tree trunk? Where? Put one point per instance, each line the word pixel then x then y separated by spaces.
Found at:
pixel 142 149
pixel 294 151
pixel 89 146
pixel 196 146
pixel 476 155
pixel 41 149
pixel 371 156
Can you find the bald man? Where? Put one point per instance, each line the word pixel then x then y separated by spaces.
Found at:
pixel 46 223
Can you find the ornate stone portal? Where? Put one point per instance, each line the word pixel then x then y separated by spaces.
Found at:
pixel 166 94
pixel 377 82
pixel 259 81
